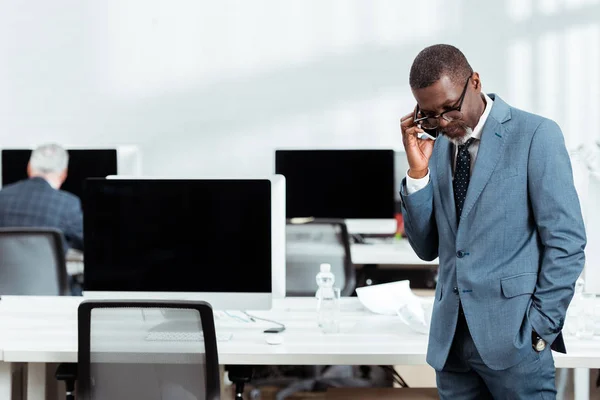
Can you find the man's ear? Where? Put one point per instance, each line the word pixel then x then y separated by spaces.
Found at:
pixel 29 169
pixel 476 81
pixel 63 176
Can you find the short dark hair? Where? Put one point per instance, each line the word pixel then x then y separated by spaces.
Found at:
pixel 438 60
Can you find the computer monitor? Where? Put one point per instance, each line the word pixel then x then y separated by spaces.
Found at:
pixel 354 185
pixel 196 239
pixel 278 276
pixel 83 163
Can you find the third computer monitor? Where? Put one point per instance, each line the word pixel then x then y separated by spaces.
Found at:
pixel 354 185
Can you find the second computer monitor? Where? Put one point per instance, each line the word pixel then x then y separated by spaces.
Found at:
pixel 354 185
pixel 205 239
pixel 83 163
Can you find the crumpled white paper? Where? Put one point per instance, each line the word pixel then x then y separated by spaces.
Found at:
pixel 396 298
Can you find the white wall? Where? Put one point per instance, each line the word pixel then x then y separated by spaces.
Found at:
pixel 202 85
pixel 207 86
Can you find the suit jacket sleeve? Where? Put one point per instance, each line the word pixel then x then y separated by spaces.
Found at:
pixel 73 230
pixel 557 213
pixel 419 221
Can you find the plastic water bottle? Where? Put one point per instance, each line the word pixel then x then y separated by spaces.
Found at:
pixel 328 301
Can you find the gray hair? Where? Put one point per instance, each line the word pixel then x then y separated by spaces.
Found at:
pixel 49 158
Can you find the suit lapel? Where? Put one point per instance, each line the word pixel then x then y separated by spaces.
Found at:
pixel 444 173
pixel 490 149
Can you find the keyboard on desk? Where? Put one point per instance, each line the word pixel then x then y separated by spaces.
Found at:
pixel 174 336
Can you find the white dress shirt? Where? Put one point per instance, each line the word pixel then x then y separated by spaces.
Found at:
pixel 414 185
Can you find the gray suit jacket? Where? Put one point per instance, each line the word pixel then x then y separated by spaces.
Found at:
pixel 519 248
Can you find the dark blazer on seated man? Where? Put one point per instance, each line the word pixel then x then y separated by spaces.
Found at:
pixel 38 202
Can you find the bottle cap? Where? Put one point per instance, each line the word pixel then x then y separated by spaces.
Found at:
pixel 325 267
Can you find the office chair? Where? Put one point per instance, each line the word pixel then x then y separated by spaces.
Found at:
pixel 32 262
pixel 145 350
pixel 310 244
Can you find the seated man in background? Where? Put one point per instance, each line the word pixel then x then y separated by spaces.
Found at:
pixel 39 202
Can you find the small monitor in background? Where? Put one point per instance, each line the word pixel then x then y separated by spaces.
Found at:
pixel 83 163
pixel 14 165
pixel 88 163
pixel 187 239
pixel 354 185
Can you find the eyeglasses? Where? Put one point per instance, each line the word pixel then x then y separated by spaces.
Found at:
pixel 432 121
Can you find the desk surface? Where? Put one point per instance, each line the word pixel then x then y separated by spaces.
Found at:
pixel 74 260
pixel 44 329
pixel 397 252
pixel 74 255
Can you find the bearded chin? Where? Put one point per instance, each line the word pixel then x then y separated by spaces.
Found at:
pixel 459 141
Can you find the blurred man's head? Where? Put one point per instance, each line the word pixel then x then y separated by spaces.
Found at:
pixel 49 161
pixel 447 91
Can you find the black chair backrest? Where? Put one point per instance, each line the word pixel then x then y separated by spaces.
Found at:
pixel 130 350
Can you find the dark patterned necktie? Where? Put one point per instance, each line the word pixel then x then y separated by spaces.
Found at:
pixel 462 175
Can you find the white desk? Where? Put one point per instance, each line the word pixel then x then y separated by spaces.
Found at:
pixel 398 252
pixel 39 330
pixel 74 260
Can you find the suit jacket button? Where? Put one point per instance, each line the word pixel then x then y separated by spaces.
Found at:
pixel 460 254
pixel 455 290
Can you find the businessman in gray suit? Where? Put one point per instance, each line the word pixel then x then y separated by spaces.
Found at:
pixel 492 197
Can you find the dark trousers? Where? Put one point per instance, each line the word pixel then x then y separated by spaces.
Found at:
pixel 465 376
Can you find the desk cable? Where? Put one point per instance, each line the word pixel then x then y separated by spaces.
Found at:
pixel 254 318
pixel 358 238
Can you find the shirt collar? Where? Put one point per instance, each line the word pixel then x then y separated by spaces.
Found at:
pixel 488 107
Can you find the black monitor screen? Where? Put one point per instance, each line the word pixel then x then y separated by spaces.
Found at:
pixel 347 184
pixel 83 163
pixel 177 235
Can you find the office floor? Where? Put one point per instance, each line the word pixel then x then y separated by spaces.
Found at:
pixel 347 394
pixel 412 380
